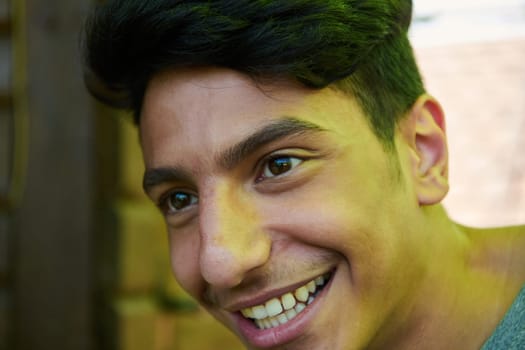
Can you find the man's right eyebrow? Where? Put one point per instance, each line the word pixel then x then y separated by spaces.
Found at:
pixel 156 176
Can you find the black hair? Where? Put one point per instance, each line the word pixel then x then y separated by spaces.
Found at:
pixel 358 46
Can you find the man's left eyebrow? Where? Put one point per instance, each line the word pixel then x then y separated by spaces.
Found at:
pixel 276 130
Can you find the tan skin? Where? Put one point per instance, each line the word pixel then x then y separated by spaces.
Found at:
pixel 242 230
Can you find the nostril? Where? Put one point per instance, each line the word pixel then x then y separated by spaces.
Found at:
pixel 226 263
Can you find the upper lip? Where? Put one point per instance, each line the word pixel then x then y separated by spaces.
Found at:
pixel 246 301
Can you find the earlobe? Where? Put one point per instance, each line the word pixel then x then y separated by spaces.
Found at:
pixel 429 153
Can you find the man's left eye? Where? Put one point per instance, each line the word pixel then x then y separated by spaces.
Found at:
pixel 279 165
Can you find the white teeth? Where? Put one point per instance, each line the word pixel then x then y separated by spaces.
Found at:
pixel 301 294
pixel 266 323
pixel 288 301
pixel 259 312
pixel 273 307
pixel 299 307
pixel 278 311
pixel 282 318
pixel 248 312
pixel 290 313
pixel 311 286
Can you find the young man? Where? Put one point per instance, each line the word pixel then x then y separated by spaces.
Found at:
pixel 300 166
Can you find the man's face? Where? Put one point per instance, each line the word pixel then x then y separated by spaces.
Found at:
pixel 279 200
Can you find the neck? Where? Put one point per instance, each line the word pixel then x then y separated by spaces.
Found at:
pixel 460 287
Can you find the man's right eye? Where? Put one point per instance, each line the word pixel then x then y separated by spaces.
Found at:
pixel 177 201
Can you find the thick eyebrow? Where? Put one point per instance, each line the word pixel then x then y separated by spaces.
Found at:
pixel 231 157
pixel 157 176
pixel 277 129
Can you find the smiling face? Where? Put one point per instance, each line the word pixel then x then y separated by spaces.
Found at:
pixel 287 219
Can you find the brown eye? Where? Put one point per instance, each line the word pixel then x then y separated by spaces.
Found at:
pixel 280 165
pixel 178 201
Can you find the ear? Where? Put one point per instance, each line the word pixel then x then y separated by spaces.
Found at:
pixel 424 132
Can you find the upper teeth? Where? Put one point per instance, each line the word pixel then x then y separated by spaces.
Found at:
pixel 280 310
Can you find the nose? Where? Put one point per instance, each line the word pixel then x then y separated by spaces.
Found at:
pixel 232 240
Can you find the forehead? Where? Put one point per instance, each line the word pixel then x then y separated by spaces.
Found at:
pixel 207 93
pixel 207 109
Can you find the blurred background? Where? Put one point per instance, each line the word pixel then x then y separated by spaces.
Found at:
pixel 83 256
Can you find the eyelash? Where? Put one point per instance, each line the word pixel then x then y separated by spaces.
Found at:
pixel 166 207
pixel 294 160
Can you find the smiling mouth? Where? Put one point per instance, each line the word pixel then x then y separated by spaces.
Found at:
pixel 280 310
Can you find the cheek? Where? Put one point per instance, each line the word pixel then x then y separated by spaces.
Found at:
pixel 334 207
pixel 184 255
pixel 358 217
pixel 332 226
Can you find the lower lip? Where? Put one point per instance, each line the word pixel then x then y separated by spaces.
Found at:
pixel 265 338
